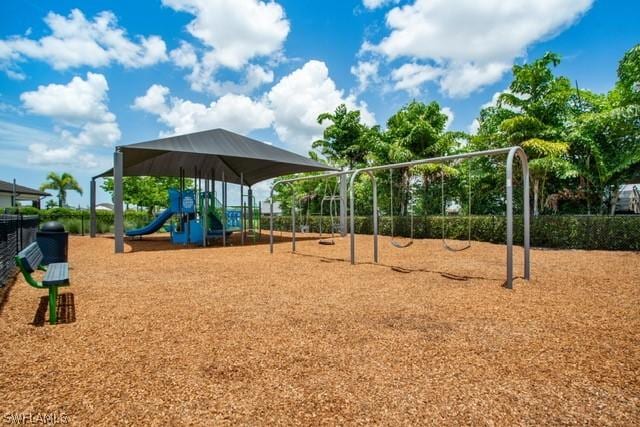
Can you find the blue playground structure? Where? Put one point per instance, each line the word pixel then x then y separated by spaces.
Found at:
pixel 187 214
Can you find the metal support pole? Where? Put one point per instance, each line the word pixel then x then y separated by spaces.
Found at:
pixel 271 219
pixel 509 213
pixel 92 209
pixel 352 216
pixel 527 214
pixel 224 211
pixel 517 151
pixel 205 209
pixel 343 205
pixel 260 220
pixel 375 217
pixel 251 222
pixel 241 210
pixel 293 222
pixel 118 211
pixel 14 195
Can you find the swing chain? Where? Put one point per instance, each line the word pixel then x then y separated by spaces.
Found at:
pixel 444 228
pixel 411 213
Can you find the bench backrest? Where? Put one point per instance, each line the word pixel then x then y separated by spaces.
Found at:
pixel 31 257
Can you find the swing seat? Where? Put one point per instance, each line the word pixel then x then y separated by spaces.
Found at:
pixel 326 242
pixel 452 249
pixel 402 245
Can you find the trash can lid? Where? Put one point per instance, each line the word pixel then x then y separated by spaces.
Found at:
pixel 52 226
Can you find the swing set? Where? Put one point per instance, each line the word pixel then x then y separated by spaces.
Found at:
pixel 348 187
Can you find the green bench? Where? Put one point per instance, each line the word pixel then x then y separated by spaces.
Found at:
pixel 56 275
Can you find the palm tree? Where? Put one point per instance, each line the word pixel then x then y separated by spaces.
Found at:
pixel 61 184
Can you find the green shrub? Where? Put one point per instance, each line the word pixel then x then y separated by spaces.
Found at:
pixel 72 226
pixel 550 231
pixel 24 210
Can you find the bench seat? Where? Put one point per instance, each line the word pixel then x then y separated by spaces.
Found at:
pixel 57 275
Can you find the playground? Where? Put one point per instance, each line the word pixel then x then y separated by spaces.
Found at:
pixel 233 335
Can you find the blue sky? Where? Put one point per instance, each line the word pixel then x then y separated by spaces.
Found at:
pixel 78 78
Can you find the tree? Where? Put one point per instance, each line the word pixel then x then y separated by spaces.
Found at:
pixel 146 191
pixel 606 136
pixel 542 102
pixel 61 183
pixel 609 140
pixel 628 85
pixel 418 131
pixel 343 143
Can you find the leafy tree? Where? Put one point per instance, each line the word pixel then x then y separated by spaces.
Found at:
pixel 61 183
pixel 606 136
pixel 343 143
pixel 543 101
pixel 146 191
pixel 418 131
pixel 610 142
pixel 628 85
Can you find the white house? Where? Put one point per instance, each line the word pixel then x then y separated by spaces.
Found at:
pixel 10 195
pixel 104 207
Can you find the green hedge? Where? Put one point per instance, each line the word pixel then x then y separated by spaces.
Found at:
pixel 549 231
pixel 77 221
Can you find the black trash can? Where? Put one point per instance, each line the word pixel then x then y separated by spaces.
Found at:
pixel 54 242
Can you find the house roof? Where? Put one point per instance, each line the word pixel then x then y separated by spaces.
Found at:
pixel 213 152
pixel 7 187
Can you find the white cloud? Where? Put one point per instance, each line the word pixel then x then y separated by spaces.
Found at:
pixel 236 31
pixel 79 100
pixel 472 42
pixel 366 72
pixel 297 100
pixel 474 127
pixel 13 135
pixel 411 76
pixel 374 4
pixel 291 106
pixel 76 41
pixel 450 116
pixel 459 80
pixel 202 80
pixel 237 113
pixel 94 133
pixel 44 150
pixel 42 154
pixel 184 56
pixel 154 101
pixel 233 34
pixel 82 120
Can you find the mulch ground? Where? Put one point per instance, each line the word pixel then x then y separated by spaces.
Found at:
pixel 167 335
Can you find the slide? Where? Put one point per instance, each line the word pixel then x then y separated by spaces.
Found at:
pixel 153 226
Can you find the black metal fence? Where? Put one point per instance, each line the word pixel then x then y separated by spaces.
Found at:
pixel 16 232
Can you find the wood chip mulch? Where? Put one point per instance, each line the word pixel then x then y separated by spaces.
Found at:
pixel 166 335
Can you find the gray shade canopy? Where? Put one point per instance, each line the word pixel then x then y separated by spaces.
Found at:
pixel 211 153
